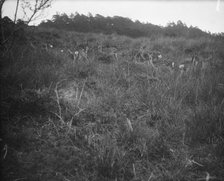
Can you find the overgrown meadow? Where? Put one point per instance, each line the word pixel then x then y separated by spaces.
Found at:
pixel 110 119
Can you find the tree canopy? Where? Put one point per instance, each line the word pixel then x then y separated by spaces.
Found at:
pixel 120 25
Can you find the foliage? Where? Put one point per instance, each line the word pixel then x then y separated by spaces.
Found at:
pixel 120 25
pixel 88 119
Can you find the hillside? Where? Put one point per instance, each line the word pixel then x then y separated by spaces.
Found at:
pixel 121 26
pixel 103 113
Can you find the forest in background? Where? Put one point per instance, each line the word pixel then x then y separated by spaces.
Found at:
pixel 120 25
pixel 102 118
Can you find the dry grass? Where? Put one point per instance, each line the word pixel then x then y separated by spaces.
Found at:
pixel 110 120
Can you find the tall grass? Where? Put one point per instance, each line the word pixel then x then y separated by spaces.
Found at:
pixel 99 120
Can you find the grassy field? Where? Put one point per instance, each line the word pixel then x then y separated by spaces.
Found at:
pixel 108 119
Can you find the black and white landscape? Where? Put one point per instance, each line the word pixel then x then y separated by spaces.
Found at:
pixel 107 97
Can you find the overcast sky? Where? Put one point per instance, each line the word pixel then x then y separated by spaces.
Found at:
pixel 207 15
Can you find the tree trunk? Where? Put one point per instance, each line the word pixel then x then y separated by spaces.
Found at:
pixel 1 5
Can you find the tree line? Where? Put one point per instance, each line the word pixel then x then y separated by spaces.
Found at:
pixel 119 25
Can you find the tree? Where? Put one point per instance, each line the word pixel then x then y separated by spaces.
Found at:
pixel 1 5
pixel 32 9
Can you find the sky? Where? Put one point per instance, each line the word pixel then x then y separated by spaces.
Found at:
pixel 207 15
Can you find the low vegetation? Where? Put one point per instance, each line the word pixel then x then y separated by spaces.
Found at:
pixel 103 118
